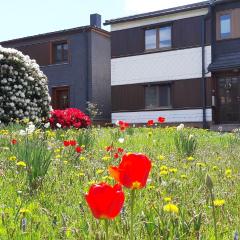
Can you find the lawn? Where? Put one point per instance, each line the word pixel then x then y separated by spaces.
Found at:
pixel 43 183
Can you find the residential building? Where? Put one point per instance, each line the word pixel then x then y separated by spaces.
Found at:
pixel 77 64
pixel 181 63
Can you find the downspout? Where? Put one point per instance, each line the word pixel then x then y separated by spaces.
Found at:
pixel 204 94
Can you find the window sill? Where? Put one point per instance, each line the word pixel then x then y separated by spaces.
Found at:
pixel 56 64
pixel 158 50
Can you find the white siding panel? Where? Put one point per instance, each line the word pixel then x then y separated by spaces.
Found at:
pixel 160 19
pixel 156 67
pixel 172 116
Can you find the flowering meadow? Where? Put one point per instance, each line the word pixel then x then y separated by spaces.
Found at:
pixel 152 182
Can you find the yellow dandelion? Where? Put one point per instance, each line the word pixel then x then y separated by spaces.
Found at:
pixel 21 164
pixel 161 157
pixel 163 168
pixel 219 202
pixel 190 158
pixel 183 176
pixel 173 170
pixel 24 210
pixel 12 158
pixel 82 158
pixel 163 173
pixel 106 158
pixel 99 171
pixel 215 168
pixel 107 178
pixel 171 208
pixel 228 173
pixel 199 164
pixel 167 199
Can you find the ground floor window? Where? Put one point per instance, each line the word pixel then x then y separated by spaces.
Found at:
pixel 60 97
pixel 158 96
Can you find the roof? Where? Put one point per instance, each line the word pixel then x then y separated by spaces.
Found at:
pixel 50 34
pixel 167 11
pixel 184 8
pixel 225 62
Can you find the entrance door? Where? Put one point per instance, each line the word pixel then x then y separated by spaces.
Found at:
pixel 60 98
pixel 229 99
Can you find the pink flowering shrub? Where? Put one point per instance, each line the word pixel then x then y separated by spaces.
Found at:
pixel 71 117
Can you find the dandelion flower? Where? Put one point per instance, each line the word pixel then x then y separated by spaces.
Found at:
pixel 21 164
pixel 219 202
pixel 171 208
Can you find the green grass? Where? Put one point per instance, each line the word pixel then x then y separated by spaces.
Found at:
pixel 56 207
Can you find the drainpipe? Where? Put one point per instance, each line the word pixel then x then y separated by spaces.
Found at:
pixel 204 94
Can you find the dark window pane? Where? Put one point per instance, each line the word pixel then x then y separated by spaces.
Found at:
pixel 165 37
pixel 151 97
pixel 150 39
pixel 61 52
pixel 225 26
pixel 164 96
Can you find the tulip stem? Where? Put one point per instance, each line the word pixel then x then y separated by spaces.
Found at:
pixel 132 213
pixel 106 228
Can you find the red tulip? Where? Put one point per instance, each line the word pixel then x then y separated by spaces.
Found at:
pixel 116 155
pixel 150 122
pixel 161 119
pixel 120 150
pixel 73 143
pixel 105 201
pixel 133 171
pixel 66 143
pixel 14 141
pixel 78 149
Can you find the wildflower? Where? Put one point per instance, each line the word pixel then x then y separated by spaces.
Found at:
pixel 105 201
pixel 120 150
pixel 109 148
pixel 150 123
pixel 163 172
pixel 24 210
pixel 163 168
pixel 14 141
pixel 172 170
pixel 66 143
pixel 199 164
pixel 78 149
pixel 133 170
pixel 150 134
pixel 218 202
pixel 183 176
pixel 180 127
pixel 190 158
pixel 121 140
pixel 12 158
pixel 21 164
pixel 58 125
pixel 171 208
pixel 228 173
pixel 161 157
pixel 47 125
pixel 116 155
pixel 65 162
pixel 161 120
pixel 99 171
pixel 81 174
pixel 215 168
pixel 106 158
pixel 167 199
pixel 82 158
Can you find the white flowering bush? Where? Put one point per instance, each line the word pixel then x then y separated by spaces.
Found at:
pixel 23 88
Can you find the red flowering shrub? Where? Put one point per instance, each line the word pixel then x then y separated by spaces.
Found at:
pixel 71 117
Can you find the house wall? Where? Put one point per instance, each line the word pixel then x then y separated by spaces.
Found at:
pixel 87 72
pixel 101 73
pixel 131 41
pixel 161 66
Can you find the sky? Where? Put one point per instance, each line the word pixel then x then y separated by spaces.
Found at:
pixel 21 18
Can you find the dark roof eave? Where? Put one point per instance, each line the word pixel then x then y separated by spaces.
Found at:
pixel 184 8
pixel 77 29
pixel 222 68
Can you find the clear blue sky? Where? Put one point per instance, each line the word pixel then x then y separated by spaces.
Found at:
pixel 20 18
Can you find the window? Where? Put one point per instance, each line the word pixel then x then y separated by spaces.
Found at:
pixel 151 39
pixel 225 26
pixel 165 37
pixel 60 52
pixel 158 96
pixel 159 38
pixel 60 97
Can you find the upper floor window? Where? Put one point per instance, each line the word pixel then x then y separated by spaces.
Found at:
pixel 60 52
pixel 225 26
pixel 158 96
pixel 158 38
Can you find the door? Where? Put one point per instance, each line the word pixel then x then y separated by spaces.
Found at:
pixel 60 98
pixel 229 99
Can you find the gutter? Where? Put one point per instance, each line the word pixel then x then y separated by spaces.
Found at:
pixel 203 37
